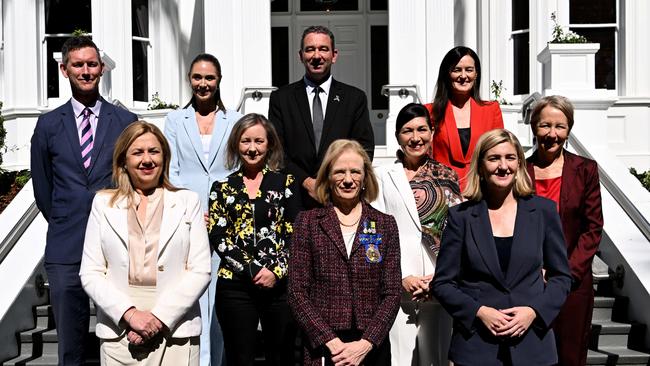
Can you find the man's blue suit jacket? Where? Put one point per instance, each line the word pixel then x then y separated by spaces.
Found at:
pixel 63 188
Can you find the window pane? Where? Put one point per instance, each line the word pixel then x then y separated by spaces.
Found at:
pixel 519 14
pixel 65 16
pixel 605 57
pixel 54 44
pixel 592 11
pixel 328 5
pixel 280 6
pixel 521 67
pixel 140 72
pixel 140 18
pixel 378 4
pixel 280 55
pixel 379 65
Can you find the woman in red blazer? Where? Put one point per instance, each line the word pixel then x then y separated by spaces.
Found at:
pixel 460 115
pixel 344 277
pixel 572 182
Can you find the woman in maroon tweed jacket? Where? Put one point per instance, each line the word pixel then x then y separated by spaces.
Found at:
pixel 344 272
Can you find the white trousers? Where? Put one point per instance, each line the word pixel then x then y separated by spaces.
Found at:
pixel 421 334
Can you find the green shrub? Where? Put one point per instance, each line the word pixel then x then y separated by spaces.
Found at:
pixel 644 177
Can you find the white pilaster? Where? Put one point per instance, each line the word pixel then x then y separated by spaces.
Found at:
pixel 21 54
pixel 111 29
pixel 238 33
pixel 635 73
pixel 420 33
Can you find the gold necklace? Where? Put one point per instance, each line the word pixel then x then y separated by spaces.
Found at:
pixel 349 225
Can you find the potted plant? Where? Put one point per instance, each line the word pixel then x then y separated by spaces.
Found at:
pixel 568 60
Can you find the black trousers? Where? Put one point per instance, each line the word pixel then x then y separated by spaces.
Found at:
pixel 71 309
pixel 240 307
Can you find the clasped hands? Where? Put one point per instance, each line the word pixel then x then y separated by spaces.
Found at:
pixel 511 322
pixel 348 353
pixel 143 325
pixel 417 286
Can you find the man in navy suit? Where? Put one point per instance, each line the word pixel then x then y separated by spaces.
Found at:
pixel 71 157
pixel 316 110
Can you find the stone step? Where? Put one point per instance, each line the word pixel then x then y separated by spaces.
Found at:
pixel 612 334
pixel 48 334
pixel 625 355
pixel 596 358
pixel 602 308
pixel 45 360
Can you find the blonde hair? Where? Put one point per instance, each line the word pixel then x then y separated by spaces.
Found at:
pixel 370 188
pixel 121 179
pixel 474 188
pixel 274 152
pixel 563 104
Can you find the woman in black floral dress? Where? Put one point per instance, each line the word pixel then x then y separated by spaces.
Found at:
pixel 250 224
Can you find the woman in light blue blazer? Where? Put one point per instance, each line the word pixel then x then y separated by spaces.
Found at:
pixel 197 135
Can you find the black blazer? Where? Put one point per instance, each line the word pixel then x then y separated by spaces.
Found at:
pixel 468 275
pixel 346 117
pixel 63 189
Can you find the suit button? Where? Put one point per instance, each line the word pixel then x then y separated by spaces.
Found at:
pixel 161 268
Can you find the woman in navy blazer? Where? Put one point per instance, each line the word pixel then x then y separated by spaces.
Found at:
pixel 489 273
pixel 572 182
pixel 197 136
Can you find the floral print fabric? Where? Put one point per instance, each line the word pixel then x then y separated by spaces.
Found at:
pixel 253 234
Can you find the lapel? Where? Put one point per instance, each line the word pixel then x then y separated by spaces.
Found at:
pixel 477 126
pixel 171 219
pixel 117 220
pixel 193 134
pixel 334 98
pixel 366 217
pixel 403 186
pixel 328 222
pixel 70 127
pixel 104 122
pixel 484 240
pixel 525 234
pixel 302 103
pixel 569 180
pixel 221 126
pixel 453 139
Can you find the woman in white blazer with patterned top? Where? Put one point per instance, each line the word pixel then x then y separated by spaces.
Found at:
pixel 146 258
pixel 417 191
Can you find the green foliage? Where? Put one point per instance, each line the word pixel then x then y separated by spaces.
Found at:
pixel 22 177
pixel 79 32
pixel 644 177
pixel 3 134
pixel 560 36
pixel 157 103
pixel 497 90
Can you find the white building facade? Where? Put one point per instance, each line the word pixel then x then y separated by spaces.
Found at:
pixel 148 45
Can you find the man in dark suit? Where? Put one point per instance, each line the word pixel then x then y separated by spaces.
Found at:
pixel 71 157
pixel 316 110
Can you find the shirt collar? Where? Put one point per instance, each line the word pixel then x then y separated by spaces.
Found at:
pixel 78 108
pixel 325 85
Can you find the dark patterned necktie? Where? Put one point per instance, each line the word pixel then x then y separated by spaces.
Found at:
pixel 317 119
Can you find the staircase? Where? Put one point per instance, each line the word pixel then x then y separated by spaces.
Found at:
pixel 38 346
pixel 609 339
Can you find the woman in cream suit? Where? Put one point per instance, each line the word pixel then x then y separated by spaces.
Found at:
pixel 198 135
pixel 417 191
pixel 146 258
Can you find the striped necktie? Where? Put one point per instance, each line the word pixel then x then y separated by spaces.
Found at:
pixel 86 138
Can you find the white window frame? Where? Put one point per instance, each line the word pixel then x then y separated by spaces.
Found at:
pixel 151 87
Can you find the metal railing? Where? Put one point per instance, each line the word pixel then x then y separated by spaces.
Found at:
pixel 17 231
pixel 254 92
pixel 402 90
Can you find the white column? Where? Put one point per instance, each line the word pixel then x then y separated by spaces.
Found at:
pixel 635 73
pixel 420 33
pixel 238 33
pixel 111 30
pixel 21 55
